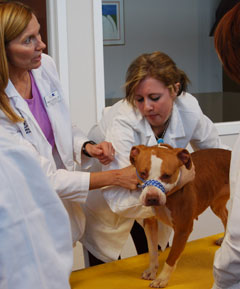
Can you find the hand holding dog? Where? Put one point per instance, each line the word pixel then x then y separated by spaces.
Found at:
pixel 187 175
pixel 127 178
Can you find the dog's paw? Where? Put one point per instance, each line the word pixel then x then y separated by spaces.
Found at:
pixel 219 241
pixel 149 274
pixel 162 280
pixel 159 283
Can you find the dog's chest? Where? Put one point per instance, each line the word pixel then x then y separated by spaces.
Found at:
pixel 164 214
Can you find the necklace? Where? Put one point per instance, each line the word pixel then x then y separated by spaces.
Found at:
pixel 160 138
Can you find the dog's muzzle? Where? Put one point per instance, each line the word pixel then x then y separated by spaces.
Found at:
pixel 154 183
pixel 153 198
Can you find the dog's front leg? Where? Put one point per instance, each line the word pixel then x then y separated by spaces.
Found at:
pixel 151 231
pixel 180 238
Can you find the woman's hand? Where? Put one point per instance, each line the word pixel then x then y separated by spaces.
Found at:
pixel 103 151
pixel 127 178
pixel 186 176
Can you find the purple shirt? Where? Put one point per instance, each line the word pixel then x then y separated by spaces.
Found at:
pixel 39 112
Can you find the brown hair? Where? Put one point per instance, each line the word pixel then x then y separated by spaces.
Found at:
pixel 157 65
pixel 227 42
pixel 14 18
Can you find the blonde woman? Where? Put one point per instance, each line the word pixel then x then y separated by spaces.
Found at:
pixel 34 112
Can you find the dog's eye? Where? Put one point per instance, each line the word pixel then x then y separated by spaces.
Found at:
pixel 165 177
pixel 143 175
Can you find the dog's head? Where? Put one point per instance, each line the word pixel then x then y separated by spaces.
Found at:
pixel 158 168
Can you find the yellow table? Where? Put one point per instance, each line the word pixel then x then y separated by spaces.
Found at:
pixel 194 270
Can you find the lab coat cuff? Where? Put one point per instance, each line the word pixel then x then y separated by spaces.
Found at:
pixel 78 150
pixel 83 161
pixel 76 187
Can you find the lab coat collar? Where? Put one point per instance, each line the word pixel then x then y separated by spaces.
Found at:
pixel 174 131
pixel 43 84
pixel 22 107
pixel 176 128
pixel 13 94
pixel 145 130
pixel 11 90
pixel 142 124
pixel 39 78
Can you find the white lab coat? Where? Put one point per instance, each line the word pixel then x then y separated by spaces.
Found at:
pixel 36 244
pixel 72 186
pixel 227 258
pixel 110 218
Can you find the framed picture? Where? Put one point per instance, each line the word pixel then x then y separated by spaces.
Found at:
pixel 112 19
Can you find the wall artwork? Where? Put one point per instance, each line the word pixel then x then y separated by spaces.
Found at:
pixel 112 19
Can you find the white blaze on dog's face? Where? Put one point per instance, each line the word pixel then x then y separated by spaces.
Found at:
pixel 156 163
pixel 151 195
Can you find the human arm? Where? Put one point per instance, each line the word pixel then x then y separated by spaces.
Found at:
pixel 190 125
pixel 103 151
pixel 187 175
pixel 206 135
pixel 125 178
pixel 122 201
pixel 75 184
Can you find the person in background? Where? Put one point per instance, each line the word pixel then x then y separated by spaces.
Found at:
pixel 156 108
pixel 33 110
pixel 223 7
pixel 35 233
pixel 226 266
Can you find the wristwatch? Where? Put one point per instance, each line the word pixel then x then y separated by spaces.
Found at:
pixel 84 151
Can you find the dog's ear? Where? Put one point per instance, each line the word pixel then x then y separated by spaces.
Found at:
pixel 185 157
pixel 133 154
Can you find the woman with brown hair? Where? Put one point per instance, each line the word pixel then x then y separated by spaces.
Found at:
pixel 156 108
pixel 227 258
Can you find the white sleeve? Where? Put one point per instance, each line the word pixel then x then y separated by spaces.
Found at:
pixel 120 200
pixel 206 135
pixel 68 184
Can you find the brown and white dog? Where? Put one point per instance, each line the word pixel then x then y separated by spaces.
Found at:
pixel 159 169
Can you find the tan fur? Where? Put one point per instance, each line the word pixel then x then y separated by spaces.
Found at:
pixel 209 188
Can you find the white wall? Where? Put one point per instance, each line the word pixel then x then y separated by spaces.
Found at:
pixel 178 28
pixel 82 93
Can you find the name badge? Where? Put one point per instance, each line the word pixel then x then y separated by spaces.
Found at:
pixel 52 98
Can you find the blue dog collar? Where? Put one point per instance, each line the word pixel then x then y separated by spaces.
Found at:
pixel 154 183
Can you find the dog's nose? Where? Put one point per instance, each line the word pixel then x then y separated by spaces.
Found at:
pixel 153 201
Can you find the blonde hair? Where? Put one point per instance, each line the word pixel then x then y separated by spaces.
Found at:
pixel 157 65
pixel 14 18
